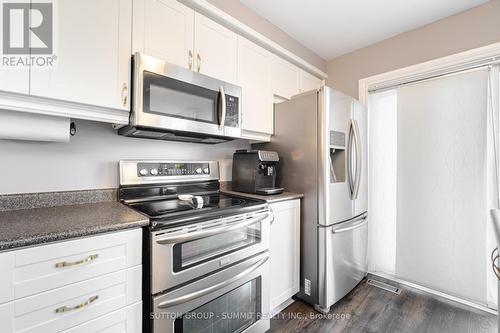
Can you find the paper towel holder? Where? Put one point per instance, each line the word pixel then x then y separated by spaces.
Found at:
pixel 72 128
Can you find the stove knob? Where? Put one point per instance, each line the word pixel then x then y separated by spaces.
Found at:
pixel 154 172
pixel 143 172
pixel 198 170
pixel 206 170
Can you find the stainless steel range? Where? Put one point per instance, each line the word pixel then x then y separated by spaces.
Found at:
pixel 206 253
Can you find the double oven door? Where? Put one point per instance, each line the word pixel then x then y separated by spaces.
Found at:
pixel 185 253
pixel 234 299
pixel 173 98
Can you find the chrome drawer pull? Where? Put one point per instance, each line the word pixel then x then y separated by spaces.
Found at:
pixel 76 307
pixel 78 262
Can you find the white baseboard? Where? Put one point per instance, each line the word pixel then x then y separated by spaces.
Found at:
pixel 435 292
pixel 282 306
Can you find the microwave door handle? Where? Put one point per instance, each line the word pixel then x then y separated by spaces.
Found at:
pixel 212 288
pixel 223 108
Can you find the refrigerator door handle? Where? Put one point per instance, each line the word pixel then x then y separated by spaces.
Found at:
pixel 349 159
pixel 356 222
pixel 357 144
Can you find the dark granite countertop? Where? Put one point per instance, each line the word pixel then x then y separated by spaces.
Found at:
pixel 226 187
pixel 26 227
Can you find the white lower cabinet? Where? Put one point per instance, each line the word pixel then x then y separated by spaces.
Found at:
pixel 84 285
pixel 126 320
pixel 285 253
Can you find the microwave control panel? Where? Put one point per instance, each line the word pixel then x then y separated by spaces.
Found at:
pixel 232 111
pixel 172 169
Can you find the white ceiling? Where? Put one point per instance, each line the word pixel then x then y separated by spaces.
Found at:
pixel 335 27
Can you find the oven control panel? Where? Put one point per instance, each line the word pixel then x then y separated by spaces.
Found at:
pixel 149 169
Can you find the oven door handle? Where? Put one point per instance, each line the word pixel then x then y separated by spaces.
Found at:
pixel 209 232
pixel 215 287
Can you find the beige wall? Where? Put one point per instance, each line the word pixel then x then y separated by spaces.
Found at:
pixel 244 14
pixel 473 28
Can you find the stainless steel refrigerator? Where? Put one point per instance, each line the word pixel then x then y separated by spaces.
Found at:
pixel 321 138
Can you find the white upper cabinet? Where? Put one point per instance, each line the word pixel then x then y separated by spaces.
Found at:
pixel 93 49
pixel 14 78
pixel 284 78
pixel 308 82
pixel 254 79
pixel 216 49
pixel 164 29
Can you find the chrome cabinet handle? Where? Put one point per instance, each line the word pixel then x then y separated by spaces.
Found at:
pixel 355 223
pixel 223 107
pixel 78 262
pixel 198 61
pixel 79 306
pixel 124 94
pixel 271 213
pixel 190 59
pixel 209 232
pixel 357 146
pixel 205 291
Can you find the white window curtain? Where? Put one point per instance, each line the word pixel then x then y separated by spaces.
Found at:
pixel 431 170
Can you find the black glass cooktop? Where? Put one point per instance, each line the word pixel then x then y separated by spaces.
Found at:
pixel 174 209
pixel 172 206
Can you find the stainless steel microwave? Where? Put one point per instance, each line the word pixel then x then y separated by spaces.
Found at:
pixel 170 102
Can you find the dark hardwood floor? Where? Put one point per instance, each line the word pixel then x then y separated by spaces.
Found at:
pixel 371 309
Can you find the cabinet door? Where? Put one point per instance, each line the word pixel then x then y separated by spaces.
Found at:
pixel 164 29
pixel 63 308
pixel 125 320
pixel 308 81
pixel 216 49
pixel 284 78
pixel 14 78
pixel 93 49
pixel 285 251
pixel 253 77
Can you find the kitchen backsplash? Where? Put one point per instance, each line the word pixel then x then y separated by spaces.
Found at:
pixel 90 159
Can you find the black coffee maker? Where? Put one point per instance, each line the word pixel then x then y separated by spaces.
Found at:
pixel 255 171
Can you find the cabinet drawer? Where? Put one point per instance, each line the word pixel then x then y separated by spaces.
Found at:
pixel 69 306
pixel 42 268
pixel 126 320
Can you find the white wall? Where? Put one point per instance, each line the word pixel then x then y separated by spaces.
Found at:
pixel 473 28
pixel 90 159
